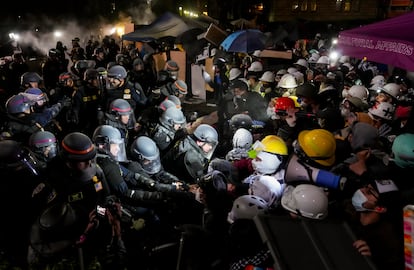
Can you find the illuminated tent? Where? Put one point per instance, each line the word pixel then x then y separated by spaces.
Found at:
pixel 389 42
pixel 167 25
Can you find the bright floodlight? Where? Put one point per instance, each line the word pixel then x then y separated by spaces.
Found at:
pixel 14 36
pixel 334 56
pixel 57 34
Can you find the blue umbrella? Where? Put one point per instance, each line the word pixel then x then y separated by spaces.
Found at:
pixel 247 41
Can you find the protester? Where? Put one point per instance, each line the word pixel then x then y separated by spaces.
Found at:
pixel 198 172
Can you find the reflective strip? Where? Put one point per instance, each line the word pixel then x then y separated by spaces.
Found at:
pixel 89 98
pixel 77 152
pixel 179 87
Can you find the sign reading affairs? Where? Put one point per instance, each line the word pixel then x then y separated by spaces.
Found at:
pixel 383 45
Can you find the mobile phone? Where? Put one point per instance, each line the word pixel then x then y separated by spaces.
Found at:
pixel 101 211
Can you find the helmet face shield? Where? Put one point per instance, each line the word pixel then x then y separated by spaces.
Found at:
pixel 150 166
pixel 257 147
pixel 174 75
pixel 146 152
pixel 117 150
pixel 48 152
pixel 112 83
pixel 16 158
pixel 207 139
pixel 28 161
pixel 108 140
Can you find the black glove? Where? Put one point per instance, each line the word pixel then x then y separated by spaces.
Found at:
pixel 148 182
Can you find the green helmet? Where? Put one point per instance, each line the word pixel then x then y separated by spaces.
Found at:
pixel 403 150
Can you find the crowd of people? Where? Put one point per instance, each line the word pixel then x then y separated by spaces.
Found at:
pixel 103 167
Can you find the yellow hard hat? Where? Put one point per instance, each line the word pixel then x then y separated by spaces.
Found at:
pixel 275 145
pixel 319 145
pixel 270 144
pixel 295 100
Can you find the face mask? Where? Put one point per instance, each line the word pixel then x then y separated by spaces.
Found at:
pixel 358 199
pixel 262 88
pixel 268 164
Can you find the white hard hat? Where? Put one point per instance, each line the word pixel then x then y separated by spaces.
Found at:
pixel 358 91
pixel 292 70
pixel 242 138
pixel 256 66
pixel 247 207
pixel 268 76
pixel 384 110
pixel 281 72
pixel 268 188
pixel 287 81
pixel 234 73
pixel 300 78
pixel 392 89
pixel 323 60
pixel 314 58
pixel 376 87
pixel 378 80
pixel 306 200
pixel 302 62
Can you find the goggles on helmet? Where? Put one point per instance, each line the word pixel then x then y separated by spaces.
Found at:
pixel 297 149
pixel 258 147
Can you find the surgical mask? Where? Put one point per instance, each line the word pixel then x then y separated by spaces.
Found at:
pixel 358 199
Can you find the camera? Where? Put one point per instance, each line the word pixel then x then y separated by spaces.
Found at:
pixel 111 206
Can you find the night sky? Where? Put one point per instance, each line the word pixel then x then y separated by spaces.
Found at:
pixel 36 22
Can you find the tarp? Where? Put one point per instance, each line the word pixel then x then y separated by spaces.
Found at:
pixel 389 42
pixel 166 25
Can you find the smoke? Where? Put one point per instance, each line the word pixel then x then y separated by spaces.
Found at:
pixel 141 14
pixel 48 32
